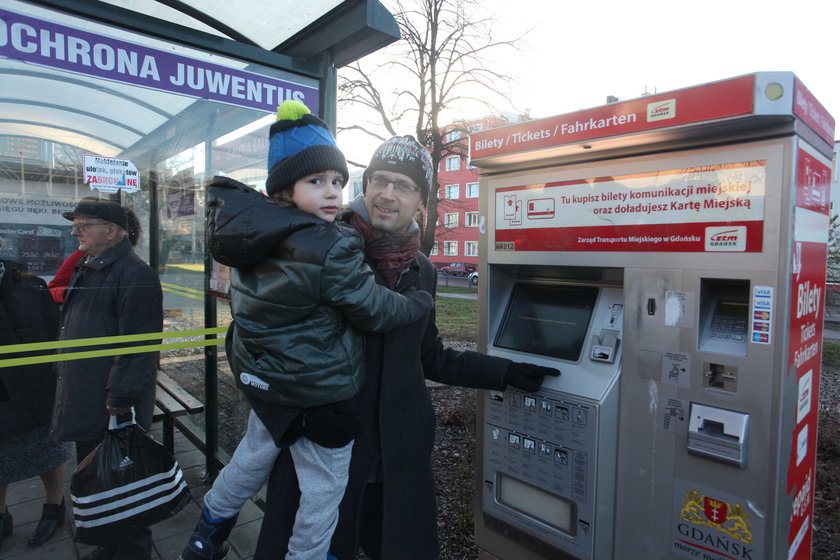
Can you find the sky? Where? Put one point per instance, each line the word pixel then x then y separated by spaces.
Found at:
pixel 574 54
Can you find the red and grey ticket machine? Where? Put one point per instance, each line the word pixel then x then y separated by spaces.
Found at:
pixel 667 254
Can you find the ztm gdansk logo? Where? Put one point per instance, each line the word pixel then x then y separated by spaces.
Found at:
pixel 731 238
pixel 662 110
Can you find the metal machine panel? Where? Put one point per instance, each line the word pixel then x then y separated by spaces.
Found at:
pixel 541 452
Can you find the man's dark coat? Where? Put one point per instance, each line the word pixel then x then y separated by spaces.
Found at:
pixel 395 442
pixel 114 294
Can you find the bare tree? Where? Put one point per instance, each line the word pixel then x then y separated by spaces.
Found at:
pixel 441 62
pixel 832 269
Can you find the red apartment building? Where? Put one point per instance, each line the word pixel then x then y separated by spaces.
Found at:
pixel 456 236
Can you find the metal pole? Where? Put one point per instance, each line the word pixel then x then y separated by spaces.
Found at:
pixel 211 368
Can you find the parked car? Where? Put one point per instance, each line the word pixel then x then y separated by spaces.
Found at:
pixel 472 279
pixel 458 269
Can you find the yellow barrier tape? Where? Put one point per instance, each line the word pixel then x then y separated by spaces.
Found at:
pixel 182 288
pixel 10 362
pixel 77 342
pixel 181 291
pixel 190 267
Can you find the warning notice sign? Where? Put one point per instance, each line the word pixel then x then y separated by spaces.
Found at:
pixel 710 208
pixel 111 174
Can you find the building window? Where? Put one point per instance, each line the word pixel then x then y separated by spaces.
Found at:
pixel 453 136
pixel 451 220
pixel 355 188
pixel 472 190
pixel 450 248
pixel 453 191
pixel 434 250
pixel 471 219
pixel 477 127
pixel 453 163
pixel 470 248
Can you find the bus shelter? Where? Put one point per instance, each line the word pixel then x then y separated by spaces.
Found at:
pixel 143 103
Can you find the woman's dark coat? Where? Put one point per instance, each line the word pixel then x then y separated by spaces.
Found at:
pixel 115 294
pixel 27 314
pixel 396 438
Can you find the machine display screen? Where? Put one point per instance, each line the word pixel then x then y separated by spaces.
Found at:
pixel 547 320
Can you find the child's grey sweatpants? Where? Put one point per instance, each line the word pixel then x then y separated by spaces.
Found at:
pixel 322 475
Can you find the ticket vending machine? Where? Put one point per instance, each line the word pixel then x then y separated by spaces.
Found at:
pixel 667 254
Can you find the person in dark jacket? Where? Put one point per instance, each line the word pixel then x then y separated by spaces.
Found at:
pixel 28 314
pixel 388 509
pixel 299 293
pixel 58 285
pixel 112 293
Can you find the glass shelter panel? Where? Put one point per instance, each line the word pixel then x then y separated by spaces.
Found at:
pixel 90 110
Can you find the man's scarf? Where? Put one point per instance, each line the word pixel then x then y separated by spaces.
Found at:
pixel 391 253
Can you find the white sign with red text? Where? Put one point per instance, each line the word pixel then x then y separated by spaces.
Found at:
pixel 709 208
pixel 110 174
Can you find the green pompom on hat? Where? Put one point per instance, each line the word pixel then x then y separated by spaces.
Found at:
pixel 299 144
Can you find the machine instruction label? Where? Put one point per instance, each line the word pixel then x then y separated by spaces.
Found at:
pixel 708 208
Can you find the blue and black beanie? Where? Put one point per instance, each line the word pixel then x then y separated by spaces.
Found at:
pixel 300 143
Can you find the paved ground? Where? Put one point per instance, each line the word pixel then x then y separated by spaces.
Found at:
pixel 25 499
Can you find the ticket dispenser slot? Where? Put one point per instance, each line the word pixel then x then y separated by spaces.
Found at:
pixel 719 434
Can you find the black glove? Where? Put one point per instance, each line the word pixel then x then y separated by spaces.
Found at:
pixel 331 425
pixel 527 377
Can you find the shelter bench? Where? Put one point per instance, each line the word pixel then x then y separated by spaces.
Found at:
pixel 172 401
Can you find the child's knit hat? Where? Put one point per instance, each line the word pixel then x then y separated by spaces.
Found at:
pixel 300 143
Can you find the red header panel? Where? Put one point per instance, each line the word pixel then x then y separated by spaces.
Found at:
pixel 812 113
pixel 708 102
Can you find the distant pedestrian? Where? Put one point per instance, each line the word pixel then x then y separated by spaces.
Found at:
pixel 28 314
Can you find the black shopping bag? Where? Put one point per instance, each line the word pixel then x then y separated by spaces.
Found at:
pixel 128 482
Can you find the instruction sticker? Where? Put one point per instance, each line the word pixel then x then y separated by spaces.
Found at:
pixel 762 315
pixel 674 415
pixel 676 368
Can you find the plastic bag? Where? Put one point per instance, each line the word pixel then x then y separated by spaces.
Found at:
pixel 128 482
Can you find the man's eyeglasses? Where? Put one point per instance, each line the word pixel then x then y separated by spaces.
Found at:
pixel 402 188
pixel 80 226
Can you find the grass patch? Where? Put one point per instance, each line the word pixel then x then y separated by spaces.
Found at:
pixel 831 353
pixel 457 318
pixel 456 289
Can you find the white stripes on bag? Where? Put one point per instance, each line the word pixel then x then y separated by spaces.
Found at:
pixel 101 510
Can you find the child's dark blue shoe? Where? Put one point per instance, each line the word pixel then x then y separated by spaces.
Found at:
pixel 209 539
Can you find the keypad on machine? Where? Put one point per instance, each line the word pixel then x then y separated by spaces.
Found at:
pixel 728 328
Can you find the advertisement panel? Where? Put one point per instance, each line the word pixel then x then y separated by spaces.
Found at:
pixel 810 245
pixel 710 208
